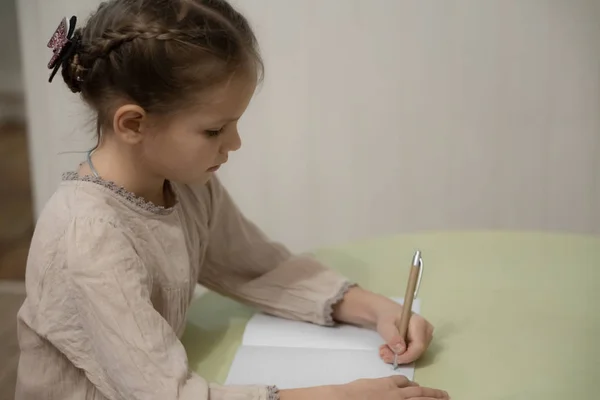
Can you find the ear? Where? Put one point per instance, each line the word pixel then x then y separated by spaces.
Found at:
pixel 128 122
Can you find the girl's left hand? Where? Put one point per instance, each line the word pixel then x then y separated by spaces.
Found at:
pixel 419 336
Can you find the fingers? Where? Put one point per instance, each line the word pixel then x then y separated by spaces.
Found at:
pixel 402 382
pixel 424 398
pixel 420 334
pixel 420 337
pixel 386 354
pixel 391 336
pixel 419 392
pixel 414 351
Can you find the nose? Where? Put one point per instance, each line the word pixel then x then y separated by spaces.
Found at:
pixel 232 143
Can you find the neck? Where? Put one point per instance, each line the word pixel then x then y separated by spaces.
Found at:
pixel 125 167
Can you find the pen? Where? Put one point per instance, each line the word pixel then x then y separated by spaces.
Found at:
pixel 412 289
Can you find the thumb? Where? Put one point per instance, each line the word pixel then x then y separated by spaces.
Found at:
pixel 389 333
pixel 398 345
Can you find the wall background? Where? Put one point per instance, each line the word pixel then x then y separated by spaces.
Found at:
pixel 10 60
pixel 387 116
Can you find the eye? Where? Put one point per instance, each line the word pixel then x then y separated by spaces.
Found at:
pixel 214 132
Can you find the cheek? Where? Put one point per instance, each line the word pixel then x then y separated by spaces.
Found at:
pixel 184 149
pixel 199 149
pixel 159 147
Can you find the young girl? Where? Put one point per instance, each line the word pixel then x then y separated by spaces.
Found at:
pixel 120 246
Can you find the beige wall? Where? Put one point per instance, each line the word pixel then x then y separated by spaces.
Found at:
pixel 10 58
pixel 391 116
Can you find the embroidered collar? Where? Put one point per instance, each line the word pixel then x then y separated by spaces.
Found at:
pixel 125 194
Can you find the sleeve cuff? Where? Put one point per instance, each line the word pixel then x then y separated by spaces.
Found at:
pixel 333 301
pixel 272 393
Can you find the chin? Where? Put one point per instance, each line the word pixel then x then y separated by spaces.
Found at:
pixel 194 180
pixel 204 178
pixel 207 179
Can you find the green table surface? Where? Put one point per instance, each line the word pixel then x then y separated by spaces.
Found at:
pixel 517 315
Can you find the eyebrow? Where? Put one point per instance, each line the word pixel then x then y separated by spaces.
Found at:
pixel 227 120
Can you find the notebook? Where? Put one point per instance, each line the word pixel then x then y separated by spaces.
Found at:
pixel 293 354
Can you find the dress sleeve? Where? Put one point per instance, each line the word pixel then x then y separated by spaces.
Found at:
pixel 104 323
pixel 243 263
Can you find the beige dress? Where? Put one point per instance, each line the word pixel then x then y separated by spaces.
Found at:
pixel 110 278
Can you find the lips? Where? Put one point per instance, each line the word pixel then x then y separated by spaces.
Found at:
pixel 216 167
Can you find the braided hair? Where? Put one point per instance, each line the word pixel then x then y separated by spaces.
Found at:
pixel 157 53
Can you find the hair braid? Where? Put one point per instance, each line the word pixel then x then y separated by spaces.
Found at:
pixel 158 53
pixel 112 39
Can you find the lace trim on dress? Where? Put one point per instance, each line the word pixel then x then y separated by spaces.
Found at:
pixel 124 193
pixel 329 304
pixel 272 393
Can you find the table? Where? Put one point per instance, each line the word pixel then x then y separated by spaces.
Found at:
pixel 517 314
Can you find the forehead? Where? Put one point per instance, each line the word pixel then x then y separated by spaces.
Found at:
pixel 229 99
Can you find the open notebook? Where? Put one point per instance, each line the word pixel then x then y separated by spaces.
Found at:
pixel 292 354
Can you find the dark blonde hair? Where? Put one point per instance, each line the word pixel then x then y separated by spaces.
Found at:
pixel 158 53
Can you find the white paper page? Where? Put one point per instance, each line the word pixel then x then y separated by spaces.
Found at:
pixel 296 367
pixel 266 330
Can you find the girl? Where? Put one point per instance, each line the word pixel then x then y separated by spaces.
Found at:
pixel 122 243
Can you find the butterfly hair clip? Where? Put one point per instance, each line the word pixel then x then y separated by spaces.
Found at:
pixel 63 44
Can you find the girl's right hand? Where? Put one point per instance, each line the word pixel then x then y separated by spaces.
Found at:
pixel 395 387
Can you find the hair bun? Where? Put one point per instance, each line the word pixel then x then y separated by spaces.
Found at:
pixel 73 72
pixel 65 44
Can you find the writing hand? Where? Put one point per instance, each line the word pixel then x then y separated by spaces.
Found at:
pixel 419 336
